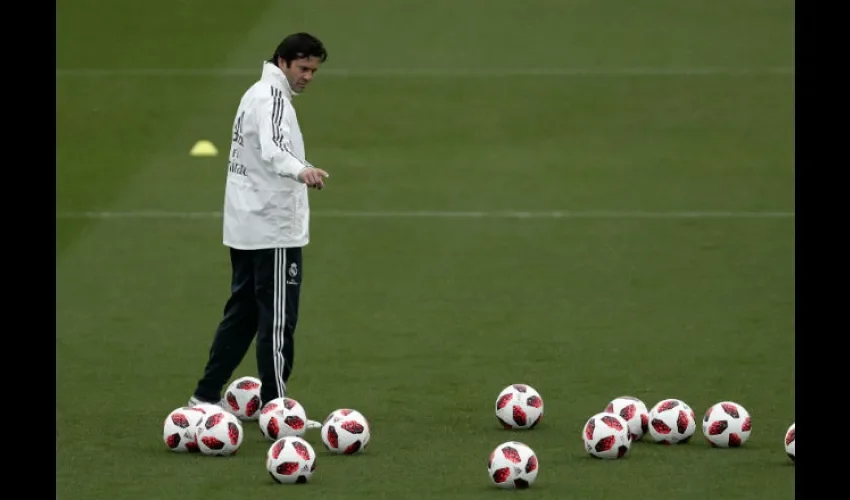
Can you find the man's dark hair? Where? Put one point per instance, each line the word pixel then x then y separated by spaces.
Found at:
pixel 298 46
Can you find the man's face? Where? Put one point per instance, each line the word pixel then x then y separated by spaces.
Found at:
pixel 300 72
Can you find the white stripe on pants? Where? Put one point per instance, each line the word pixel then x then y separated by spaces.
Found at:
pixel 279 318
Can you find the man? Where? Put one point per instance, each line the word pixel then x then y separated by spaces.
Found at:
pixel 266 224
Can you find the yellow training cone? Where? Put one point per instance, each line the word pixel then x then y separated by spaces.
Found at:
pixel 203 148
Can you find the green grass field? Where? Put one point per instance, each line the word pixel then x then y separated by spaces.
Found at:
pixel 665 128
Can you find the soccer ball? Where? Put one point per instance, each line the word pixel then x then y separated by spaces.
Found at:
pixel 671 421
pixel 726 425
pixel 179 431
pixel 634 412
pixel 346 431
pixel 219 433
pixel 513 465
pixel 790 443
pixel 291 460
pixel 283 417
pixel 519 406
pixel 606 435
pixel 242 398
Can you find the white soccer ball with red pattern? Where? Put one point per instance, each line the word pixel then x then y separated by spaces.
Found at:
pixel 291 460
pixel 179 431
pixel 519 406
pixel 726 425
pixel 606 435
pixel 634 412
pixel 791 442
pixel 219 433
pixel 282 417
pixel 242 398
pixel 671 421
pixel 346 431
pixel 513 465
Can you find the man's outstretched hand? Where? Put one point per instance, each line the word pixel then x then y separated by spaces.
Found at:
pixel 314 177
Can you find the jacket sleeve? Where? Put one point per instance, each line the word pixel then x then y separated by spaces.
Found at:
pixel 275 146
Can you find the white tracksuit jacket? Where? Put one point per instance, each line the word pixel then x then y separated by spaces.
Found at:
pixel 265 204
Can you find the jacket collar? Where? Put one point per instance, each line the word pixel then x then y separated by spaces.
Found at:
pixel 273 75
